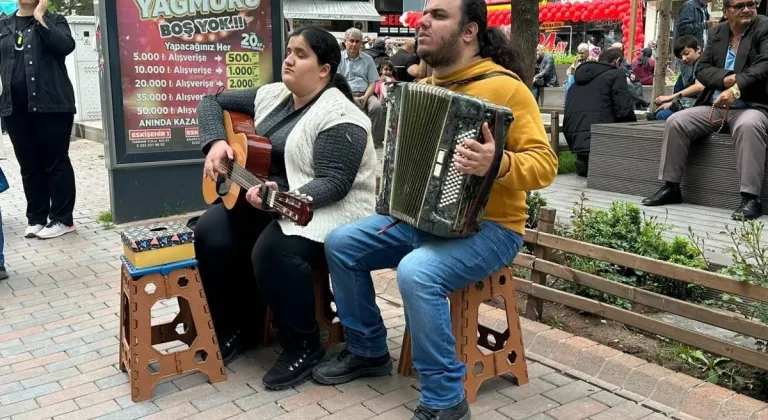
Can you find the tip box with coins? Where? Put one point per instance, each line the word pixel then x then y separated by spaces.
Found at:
pixel 158 244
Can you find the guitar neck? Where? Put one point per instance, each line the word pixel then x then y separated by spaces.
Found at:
pixel 247 180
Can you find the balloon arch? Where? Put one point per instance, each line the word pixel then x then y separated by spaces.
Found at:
pixel 577 11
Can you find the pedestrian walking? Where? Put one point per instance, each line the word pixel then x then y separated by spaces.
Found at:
pixel 38 108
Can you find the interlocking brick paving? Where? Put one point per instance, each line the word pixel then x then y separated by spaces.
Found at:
pixel 59 316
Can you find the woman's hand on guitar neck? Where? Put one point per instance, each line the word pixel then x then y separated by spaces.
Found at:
pixel 216 158
pixel 254 197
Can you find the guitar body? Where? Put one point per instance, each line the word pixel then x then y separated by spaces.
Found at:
pixel 251 151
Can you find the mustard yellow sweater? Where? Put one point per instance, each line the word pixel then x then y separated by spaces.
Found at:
pixel 528 163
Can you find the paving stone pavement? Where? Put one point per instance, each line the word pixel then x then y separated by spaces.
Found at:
pixel 59 316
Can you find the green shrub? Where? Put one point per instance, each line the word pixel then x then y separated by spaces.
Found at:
pixel 535 202
pixel 566 163
pixel 625 228
pixel 564 58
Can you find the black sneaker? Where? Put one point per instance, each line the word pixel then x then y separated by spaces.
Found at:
pixel 3 273
pixel 232 346
pixel 347 367
pixel 293 367
pixel 750 209
pixel 458 412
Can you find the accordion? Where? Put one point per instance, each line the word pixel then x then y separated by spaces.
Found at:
pixel 420 184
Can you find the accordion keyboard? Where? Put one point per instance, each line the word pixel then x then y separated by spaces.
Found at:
pixel 454 179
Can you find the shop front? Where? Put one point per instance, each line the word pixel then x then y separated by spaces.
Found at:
pixel 564 25
pixel 336 16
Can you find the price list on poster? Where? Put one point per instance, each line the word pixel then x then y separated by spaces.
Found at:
pixel 169 64
pixel 242 70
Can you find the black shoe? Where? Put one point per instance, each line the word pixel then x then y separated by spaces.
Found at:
pixel 3 273
pixel 458 412
pixel 293 367
pixel 581 168
pixel 665 195
pixel 750 209
pixel 231 346
pixel 347 367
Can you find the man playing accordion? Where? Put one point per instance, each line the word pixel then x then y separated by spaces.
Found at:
pixel 455 41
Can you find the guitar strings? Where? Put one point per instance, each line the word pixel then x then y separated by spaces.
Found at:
pixel 240 179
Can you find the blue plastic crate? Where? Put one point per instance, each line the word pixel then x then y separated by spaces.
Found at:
pixel 162 269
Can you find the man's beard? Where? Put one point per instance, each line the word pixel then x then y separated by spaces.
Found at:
pixel 445 54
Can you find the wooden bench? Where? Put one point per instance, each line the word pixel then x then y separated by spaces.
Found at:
pixel 624 158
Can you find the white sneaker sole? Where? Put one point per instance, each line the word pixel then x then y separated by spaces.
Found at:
pixel 56 234
pixel 32 234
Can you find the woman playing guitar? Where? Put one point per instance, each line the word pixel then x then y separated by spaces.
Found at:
pixel 322 148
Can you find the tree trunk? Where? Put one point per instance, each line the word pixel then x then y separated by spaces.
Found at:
pixel 524 34
pixel 662 45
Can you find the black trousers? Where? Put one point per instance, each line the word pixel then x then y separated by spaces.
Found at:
pixel 41 145
pixel 246 262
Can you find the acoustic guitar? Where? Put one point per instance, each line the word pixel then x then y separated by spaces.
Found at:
pixel 249 169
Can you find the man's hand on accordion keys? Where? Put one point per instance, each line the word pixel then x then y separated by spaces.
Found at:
pixel 255 194
pixel 475 158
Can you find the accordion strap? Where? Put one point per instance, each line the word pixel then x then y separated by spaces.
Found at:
pixel 469 79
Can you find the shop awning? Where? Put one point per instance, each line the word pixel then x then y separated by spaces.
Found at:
pixel 330 10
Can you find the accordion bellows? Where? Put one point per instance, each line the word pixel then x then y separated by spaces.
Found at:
pixel 420 184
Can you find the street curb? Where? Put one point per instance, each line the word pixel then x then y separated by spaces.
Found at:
pixel 674 394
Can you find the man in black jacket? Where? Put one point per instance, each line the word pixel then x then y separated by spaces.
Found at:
pixel 599 95
pixel 734 72
pixel 545 76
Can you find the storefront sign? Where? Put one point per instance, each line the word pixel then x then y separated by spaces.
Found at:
pixel 546 26
pixel 549 41
pixel 390 25
pixel 174 53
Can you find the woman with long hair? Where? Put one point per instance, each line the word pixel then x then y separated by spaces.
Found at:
pixel 38 110
pixel 321 147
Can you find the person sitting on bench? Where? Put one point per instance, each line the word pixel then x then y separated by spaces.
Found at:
pixel 600 95
pixel 687 88
pixel 734 72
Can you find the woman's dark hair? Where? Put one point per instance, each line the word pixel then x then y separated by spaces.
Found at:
pixel 494 44
pixel 642 61
pixel 685 41
pixel 326 48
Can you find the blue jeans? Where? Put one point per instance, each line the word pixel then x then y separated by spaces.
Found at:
pixel 663 114
pixel 429 268
pixel 2 241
